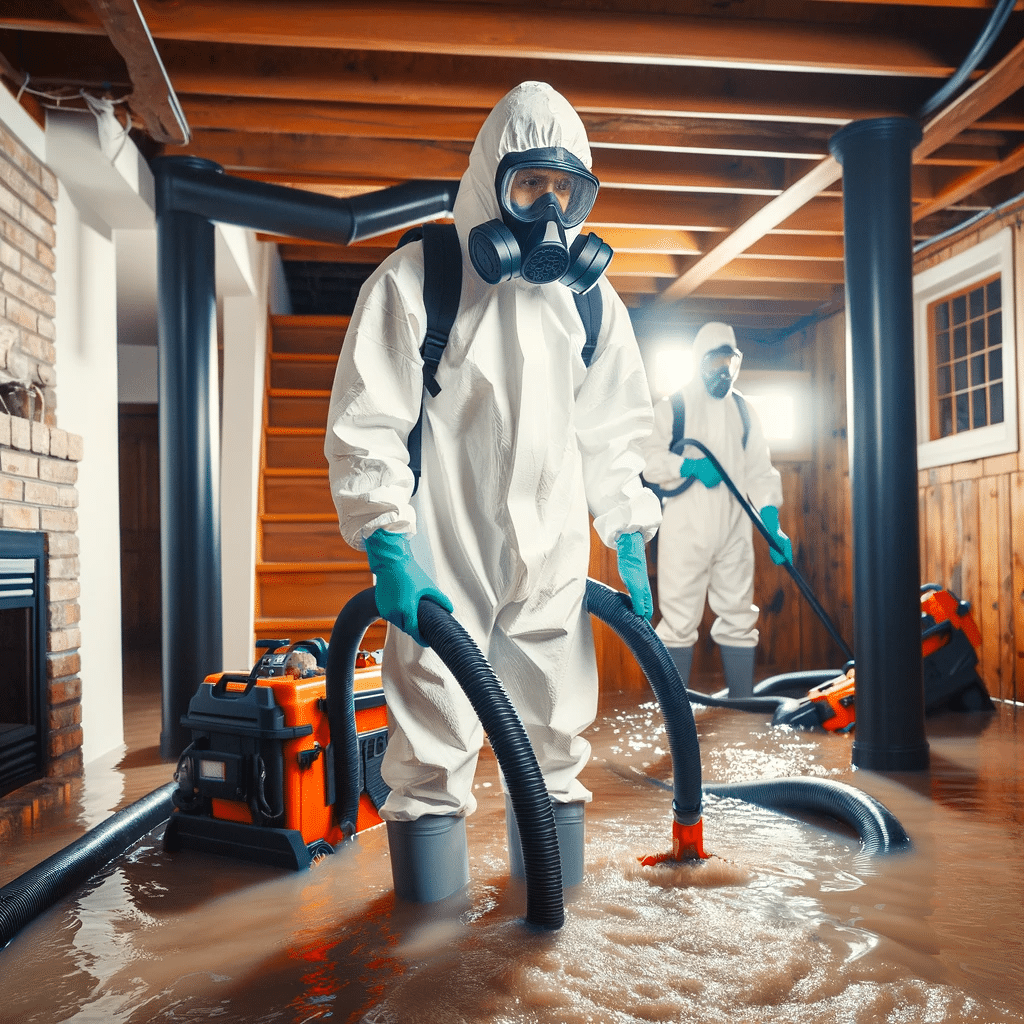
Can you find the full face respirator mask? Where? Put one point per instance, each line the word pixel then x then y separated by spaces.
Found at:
pixel 719 369
pixel 542 193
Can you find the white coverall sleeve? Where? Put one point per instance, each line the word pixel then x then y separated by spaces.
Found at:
pixel 375 402
pixel 613 419
pixel 661 466
pixel 764 484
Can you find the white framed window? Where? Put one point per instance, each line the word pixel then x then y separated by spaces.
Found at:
pixel 965 350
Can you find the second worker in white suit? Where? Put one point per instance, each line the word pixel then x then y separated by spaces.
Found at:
pixel 705 546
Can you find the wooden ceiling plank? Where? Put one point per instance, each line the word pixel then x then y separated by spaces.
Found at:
pixel 631 133
pixel 769 291
pixel 998 83
pixel 755 269
pixel 548 33
pixel 971 183
pixel 411 80
pixel 1001 81
pixel 336 156
pixel 769 216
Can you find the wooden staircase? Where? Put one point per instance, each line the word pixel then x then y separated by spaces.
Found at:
pixel 305 572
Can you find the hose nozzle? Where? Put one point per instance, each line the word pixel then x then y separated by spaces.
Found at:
pixel 687 844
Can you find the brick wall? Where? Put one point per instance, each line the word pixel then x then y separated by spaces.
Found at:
pixel 38 460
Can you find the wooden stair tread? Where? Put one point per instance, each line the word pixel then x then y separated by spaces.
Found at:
pixel 298 517
pixel 295 431
pixel 303 357
pixel 301 567
pixel 311 393
pixel 294 471
pixel 309 319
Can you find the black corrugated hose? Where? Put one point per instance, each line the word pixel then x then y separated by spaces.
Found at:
pixel 878 828
pixel 616 610
pixel 39 888
pixel 500 720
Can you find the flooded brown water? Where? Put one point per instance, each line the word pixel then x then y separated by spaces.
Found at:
pixel 787 922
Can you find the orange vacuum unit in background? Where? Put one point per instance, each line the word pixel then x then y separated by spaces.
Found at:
pixel 949 642
pixel 257 781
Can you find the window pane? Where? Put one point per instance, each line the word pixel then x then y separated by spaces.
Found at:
pixel 994 293
pixel 963 412
pixel 942 316
pixel 977 370
pixel 995 395
pixel 995 329
pixel 977 335
pixel 960 375
pixel 943 385
pixel 980 418
pixel 960 309
pixel 959 342
pixel 995 364
pixel 945 417
pixel 976 301
pixel 942 347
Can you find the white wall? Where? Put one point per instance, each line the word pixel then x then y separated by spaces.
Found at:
pixel 106 189
pixel 244 318
pixel 86 343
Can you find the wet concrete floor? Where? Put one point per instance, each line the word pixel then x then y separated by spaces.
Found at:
pixel 788 921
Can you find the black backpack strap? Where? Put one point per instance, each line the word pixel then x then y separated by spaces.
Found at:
pixel 591 308
pixel 442 290
pixel 741 404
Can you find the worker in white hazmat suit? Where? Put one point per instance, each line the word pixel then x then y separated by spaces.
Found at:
pixel 521 441
pixel 705 547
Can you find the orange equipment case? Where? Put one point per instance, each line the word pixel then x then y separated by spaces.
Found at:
pixel 257 781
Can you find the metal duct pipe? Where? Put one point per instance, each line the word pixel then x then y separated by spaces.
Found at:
pixel 191 195
pixel 201 187
pixel 876 159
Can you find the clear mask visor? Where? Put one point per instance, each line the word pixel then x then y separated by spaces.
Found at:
pixel 529 191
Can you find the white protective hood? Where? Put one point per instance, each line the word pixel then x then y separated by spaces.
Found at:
pixel 531 116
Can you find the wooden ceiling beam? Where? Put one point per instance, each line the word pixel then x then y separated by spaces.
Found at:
pixel 512 31
pixel 631 132
pixel 970 184
pixel 412 80
pixel 338 157
pixel 770 291
pixel 152 99
pixel 343 156
pixel 751 268
pixel 1001 81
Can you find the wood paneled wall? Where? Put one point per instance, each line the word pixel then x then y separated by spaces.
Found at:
pixel 971 514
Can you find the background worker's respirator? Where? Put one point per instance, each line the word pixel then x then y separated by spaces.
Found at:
pixel 542 193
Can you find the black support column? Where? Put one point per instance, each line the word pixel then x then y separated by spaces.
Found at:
pixel 876 159
pixel 189 455
pixel 191 194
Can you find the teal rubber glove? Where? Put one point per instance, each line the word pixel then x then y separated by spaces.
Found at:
pixel 400 582
pixel 703 470
pixel 770 518
pixel 633 570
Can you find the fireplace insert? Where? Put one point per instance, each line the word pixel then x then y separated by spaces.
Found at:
pixel 23 720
